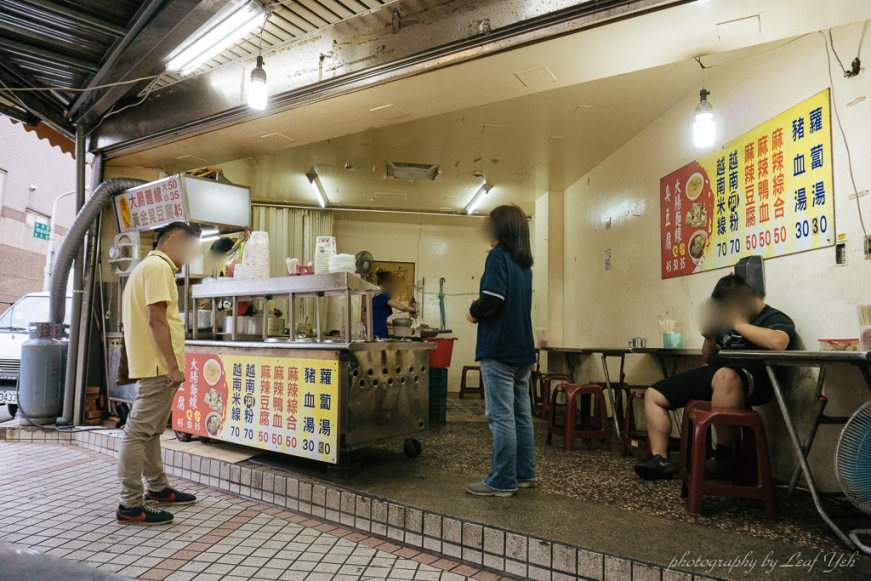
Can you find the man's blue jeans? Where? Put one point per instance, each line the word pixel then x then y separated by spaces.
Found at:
pixel 510 416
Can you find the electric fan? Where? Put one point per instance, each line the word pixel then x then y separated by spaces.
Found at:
pixel 853 466
pixel 364 262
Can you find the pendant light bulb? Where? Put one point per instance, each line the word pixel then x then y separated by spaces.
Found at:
pixel 257 92
pixel 704 129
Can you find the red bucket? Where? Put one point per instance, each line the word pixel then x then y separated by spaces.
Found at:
pixel 440 357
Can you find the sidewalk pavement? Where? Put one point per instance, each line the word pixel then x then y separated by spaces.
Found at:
pixel 61 500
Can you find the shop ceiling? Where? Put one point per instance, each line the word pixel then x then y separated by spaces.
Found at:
pixel 73 45
pixel 529 120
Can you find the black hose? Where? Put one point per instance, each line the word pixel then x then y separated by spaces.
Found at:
pixel 50 428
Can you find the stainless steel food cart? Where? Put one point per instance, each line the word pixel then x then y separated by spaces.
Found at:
pixel 318 397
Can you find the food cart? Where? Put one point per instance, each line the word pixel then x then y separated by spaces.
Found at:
pixel 318 397
pixel 252 380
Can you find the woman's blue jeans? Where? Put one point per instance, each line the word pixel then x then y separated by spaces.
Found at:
pixel 510 416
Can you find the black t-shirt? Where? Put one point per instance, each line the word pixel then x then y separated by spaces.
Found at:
pixel 768 318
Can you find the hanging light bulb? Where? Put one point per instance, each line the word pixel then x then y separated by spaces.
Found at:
pixel 257 87
pixel 704 129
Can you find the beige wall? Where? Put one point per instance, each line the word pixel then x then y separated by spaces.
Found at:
pixel 455 251
pixel 609 307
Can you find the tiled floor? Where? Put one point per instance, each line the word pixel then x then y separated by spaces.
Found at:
pixel 60 500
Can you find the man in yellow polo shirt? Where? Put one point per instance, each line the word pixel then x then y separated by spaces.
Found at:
pixel 154 337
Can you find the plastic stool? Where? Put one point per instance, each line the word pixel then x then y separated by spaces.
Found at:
pixel 756 465
pixel 547 380
pixel 595 427
pixel 464 389
pixel 631 435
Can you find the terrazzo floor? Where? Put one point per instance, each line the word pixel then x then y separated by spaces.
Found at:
pixel 592 473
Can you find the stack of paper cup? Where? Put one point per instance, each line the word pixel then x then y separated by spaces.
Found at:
pixel 325 247
pixel 256 254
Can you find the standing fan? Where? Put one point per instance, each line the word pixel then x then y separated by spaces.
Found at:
pixel 364 262
pixel 853 466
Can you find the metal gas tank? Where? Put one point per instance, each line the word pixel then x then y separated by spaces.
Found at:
pixel 41 374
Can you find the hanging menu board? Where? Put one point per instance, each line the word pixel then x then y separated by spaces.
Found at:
pixel 151 205
pixel 768 192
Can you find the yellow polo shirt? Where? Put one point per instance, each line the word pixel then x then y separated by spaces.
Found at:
pixel 152 281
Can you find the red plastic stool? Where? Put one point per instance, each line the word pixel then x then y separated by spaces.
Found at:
pixel 464 389
pixel 546 382
pixel 632 436
pixel 636 438
pixel 699 417
pixel 595 427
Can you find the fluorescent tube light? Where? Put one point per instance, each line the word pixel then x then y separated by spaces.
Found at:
pixel 478 197
pixel 209 238
pixel 209 232
pixel 214 37
pixel 318 189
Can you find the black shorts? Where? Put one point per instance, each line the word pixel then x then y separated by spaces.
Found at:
pixel 696 384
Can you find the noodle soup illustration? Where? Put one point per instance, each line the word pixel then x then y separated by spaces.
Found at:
pixel 212 371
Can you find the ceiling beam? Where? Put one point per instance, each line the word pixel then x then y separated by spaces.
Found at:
pixel 25 117
pixel 157 29
pixel 47 55
pixel 37 102
pixel 87 20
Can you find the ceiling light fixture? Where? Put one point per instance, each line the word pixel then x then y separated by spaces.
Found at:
pixel 209 238
pixel 704 129
pixel 257 92
pixel 209 232
pixel 224 29
pixel 318 189
pixel 478 197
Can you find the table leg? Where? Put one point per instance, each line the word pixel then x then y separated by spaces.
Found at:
pixel 802 460
pixel 614 413
pixel 819 408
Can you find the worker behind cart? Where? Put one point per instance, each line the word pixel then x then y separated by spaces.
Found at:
pixel 154 344
pixel 734 319
pixel 384 303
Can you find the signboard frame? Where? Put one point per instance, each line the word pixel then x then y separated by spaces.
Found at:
pixel 768 192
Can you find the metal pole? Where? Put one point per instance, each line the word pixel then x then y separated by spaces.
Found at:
pixel 70 386
pixel 49 255
pixel 614 413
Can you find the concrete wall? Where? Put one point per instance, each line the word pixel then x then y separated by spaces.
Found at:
pixel 29 161
pixel 609 307
pixel 453 250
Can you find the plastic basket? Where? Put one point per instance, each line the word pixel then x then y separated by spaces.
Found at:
pixel 438 381
pixel 438 409
pixel 441 355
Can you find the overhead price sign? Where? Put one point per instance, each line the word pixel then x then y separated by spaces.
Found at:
pixel 768 192
pixel 152 205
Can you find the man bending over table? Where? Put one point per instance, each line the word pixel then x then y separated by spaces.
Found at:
pixel 738 321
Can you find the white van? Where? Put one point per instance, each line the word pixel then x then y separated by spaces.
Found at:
pixel 14 325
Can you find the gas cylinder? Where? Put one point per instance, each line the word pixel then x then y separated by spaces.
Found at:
pixel 41 374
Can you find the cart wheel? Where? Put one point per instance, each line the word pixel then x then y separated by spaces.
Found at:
pixel 412 448
pixel 182 436
pixel 205 440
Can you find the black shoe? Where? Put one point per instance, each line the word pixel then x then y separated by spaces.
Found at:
pixel 656 468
